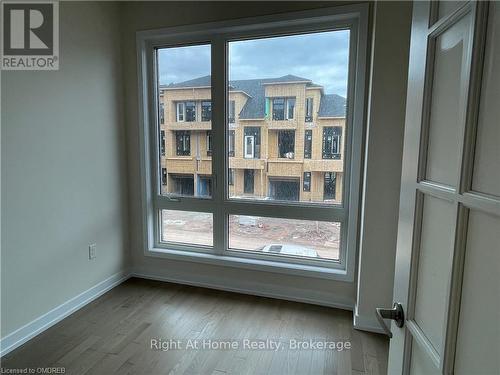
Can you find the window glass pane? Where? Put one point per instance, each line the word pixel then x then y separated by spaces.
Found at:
pixel 285 237
pixel 289 117
pixel 185 120
pixel 187 227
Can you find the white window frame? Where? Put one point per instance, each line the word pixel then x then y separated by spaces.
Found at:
pixel 249 152
pixel 218 34
pixel 178 112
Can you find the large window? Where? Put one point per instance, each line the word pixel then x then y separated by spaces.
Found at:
pixel 331 142
pixel 264 196
pixel 183 143
pixel 251 139
pixel 283 108
pixel 186 111
pixel 286 144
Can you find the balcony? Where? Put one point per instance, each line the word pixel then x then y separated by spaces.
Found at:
pixel 285 167
pixel 180 164
pixel 324 165
pixel 188 125
pixel 282 124
pixel 242 163
pixel 204 166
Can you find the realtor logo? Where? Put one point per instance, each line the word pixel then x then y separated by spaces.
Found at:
pixel 30 35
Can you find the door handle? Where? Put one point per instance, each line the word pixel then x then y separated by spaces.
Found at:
pixel 396 313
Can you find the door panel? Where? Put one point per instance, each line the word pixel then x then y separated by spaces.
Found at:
pixel 420 362
pixel 434 267
pixel 445 8
pixel 448 101
pixel 480 298
pixel 487 157
pixel 447 260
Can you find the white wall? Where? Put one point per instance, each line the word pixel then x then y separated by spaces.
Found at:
pixel 388 81
pixel 63 172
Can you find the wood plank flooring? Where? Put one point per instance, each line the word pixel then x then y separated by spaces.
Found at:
pixel 113 334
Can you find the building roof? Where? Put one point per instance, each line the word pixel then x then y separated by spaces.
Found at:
pixel 330 105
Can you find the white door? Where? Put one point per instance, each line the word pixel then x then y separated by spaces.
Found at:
pixel 448 248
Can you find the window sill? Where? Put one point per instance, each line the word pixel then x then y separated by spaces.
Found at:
pixel 252 264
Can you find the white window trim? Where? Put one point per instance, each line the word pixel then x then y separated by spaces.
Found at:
pixel 178 112
pixel 217 34
pixel 247 154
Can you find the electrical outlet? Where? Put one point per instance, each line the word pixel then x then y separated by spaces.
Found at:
pixel 92 251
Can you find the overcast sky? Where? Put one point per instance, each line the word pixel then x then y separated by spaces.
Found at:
pixel 321 57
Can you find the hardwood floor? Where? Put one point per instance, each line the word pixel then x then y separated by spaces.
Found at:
pixel 113 335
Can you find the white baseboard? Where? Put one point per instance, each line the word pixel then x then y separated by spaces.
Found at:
pixel 367 323
pixel 47 320
pixel 282 294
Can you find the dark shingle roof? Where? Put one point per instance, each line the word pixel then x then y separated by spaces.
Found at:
pixel 255 107
pixel 204 81
pixel 332 106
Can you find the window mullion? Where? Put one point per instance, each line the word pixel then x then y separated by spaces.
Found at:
pixel 218 142
pixel 320 213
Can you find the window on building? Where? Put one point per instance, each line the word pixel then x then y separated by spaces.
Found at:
pixel 308 144
pixel 248 181
pixel 181 112
pixel 206 111
pixel 183 184
pixel 331 142
pixel 231 143
pixel 164 176
pixel 162 112
pixel 162 142
pixel 186 111
pixel 232 111
pixel 190 111
pixel 290 108
pixel 183 143
pixel 204 186
pixel 284 188
pixel 251 142
pixel 286 144
pixel 330 185
pixel 209 143
pixel 268 216
pixel 283 108
pixel 307 181
pixel 278 108
pixel 309 109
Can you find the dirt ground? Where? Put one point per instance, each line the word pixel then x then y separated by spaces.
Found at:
pixel 251 233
